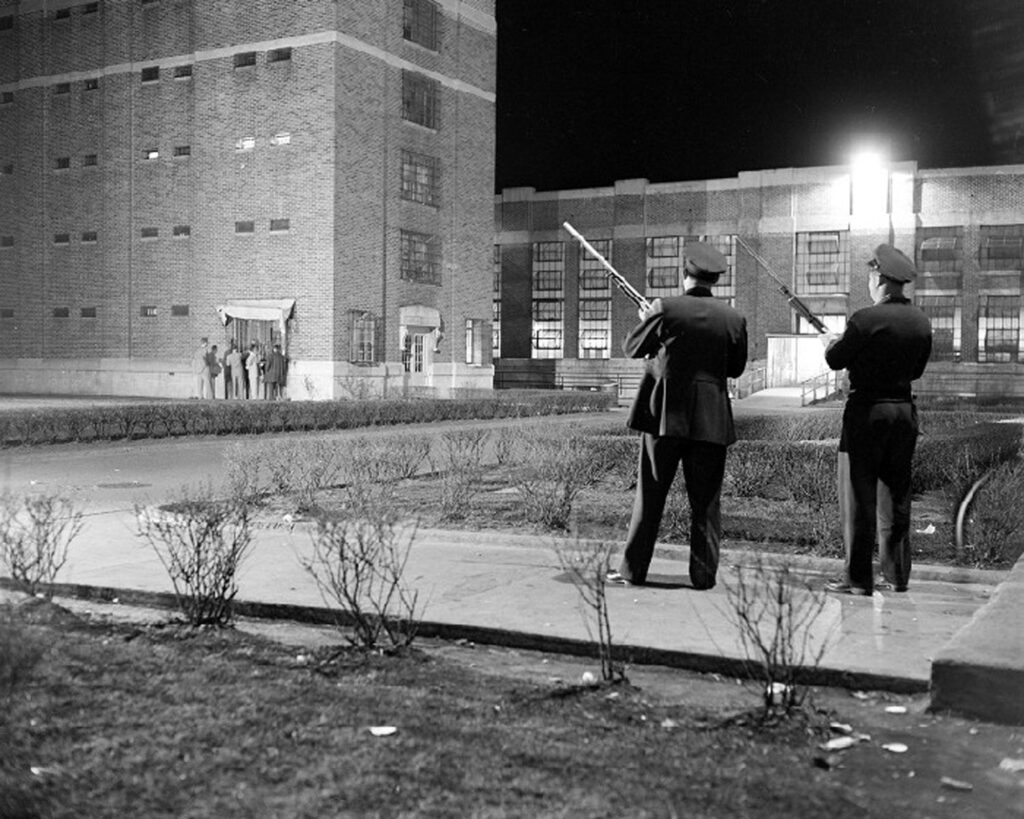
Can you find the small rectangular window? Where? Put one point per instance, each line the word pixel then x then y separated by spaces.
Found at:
pixel 149 232
pixel 245 227
pixel 283 138
pixel 151 74
pixel 62 88
pixel 245 59
pixel 182 72
pixel 62 14
pixel 245 143
pixel 61 312
pixel 148 311
pixel 183 150
pixel 62 163
pixel 6 312
pixel 6 241
pixel 90 8
pixel 280 225
pixel 181 231
pixel 89 160
pixel 279 55
pixel 87 312
pixel 89 237
pixel 151 153
pixel 179 309
pixel 92 83
pixel 6 97
pixel 7 22
pixel 62 238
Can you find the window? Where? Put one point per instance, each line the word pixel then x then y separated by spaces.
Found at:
pixel 245 143
pixel 6 241
pixel 420 257
pixel 283 138
pixel 421 178
pixel 7 22
pixel 183 72
pixel 245 59
pixel 725 287
pixel 90 8
pixel 151 153
pixel 149 232
pixel 940 248
pixel 87 312
pixel 62 238
pixel 419 23
pixel 148 311
pixel 62 163
pixel 496 304
pixel 6 97
pixel 179 310
pixel 945 315
pixel 62 14
pixel 6 312
pixel 1002 248
pixel 420 99
pixel 363 337
pixel 663 263
pixel 61 312
pixel 279 55
pixel 62 88
pixel 89 160
pixel 823 263
pixel 89 237
pixel 999 329
pixel 595 303
pixel 280 225
pixel 547 297
pixel 245 227
pixel 476 330
pixel 181 231
pixel 940 260
pixel 92 84
pixel 151 74
pixel 183 150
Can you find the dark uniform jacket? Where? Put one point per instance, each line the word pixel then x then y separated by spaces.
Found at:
pixel 884 348
pixel 695 342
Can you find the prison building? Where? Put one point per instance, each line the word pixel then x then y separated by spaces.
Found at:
pixel 317 174
pixel 558 321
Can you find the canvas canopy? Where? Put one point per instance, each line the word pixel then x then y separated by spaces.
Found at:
pixel 279 310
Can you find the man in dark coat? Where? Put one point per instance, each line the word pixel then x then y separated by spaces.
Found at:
pixel 276 373
pixel 884 347
pixel 682 408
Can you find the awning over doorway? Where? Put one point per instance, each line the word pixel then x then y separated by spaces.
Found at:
pixel 279 310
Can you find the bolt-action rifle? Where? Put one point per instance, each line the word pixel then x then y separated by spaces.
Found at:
pixel 798 306
pixel 617 278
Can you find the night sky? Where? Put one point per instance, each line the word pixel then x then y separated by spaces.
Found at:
pixel 590 91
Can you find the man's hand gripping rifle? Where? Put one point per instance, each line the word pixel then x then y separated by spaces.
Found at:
pixel 617 278
pixel 801 309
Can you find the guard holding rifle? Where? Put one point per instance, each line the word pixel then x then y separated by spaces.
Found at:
pixel 682 408
pixel 884 347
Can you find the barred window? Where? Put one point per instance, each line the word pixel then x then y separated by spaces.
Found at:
pixel 61 312
pixel 663 246
pixel 548 307
pixel 245 59
pixel 595 302
pixel 92 84
pixel 87 312
pixel 725 287
pixel 151 73
pixel 246 226
pixel 89 237
pixel 421 178
pixel 664 260
pixel 62 163
pixel 823 262
pixel 62 238
pixel 940 248
pixel 496 303
pixel 183 72
pixel 90 160
pixel 181 231
pixel 62 88
pixel 420 257
pixel 999 329
pixel 363 337
pixel 280 225
pixel 419 23
pixel 421 99
pixel 183 150
pixel 944 312
pixel 148 311
pixel 662 278
pixel 279 55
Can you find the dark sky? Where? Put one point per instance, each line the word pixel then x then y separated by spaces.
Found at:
pixel 590 91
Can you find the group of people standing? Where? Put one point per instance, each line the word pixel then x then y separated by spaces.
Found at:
pixel 694 343
pixel 249 374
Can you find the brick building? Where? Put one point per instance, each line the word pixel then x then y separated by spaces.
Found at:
pixel 558 321
pixel 317 173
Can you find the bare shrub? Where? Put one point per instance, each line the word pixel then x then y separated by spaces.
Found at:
pixel 586 562
pixel 243 470
pixel 358 563
pixel 995 526
pixel 201 544
pixel 553 472
pixel 775 611
pixel 35 534
pixel 507 442
pixel 461 470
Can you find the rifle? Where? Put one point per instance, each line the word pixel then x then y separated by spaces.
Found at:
pixel 801 309
pixel 617 278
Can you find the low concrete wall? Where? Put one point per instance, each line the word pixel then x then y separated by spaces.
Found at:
pixel 980 672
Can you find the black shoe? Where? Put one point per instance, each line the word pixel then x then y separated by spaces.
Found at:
pixel 614 578
pixel 842 587
pixel 885 585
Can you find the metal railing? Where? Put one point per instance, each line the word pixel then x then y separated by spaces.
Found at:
pixel 822 387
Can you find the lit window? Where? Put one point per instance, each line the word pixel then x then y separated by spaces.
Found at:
pixel 151 153
pixel 148 311
pixel 283 138
pixel 944 312
pixel 823 262
pixel 245 143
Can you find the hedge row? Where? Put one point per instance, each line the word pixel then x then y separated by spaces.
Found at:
pixel 177 418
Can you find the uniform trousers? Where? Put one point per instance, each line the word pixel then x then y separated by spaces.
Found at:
pixel 875 457
pixel 703 471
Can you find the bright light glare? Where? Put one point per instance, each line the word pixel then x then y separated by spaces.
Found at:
pixel 866 161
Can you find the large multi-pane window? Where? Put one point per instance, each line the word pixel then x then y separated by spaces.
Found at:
pixel 419 23
pixel 421 99
pixel 595 303
pixel 944 312
pixel 999 329
pixel 364 337
pixel 823 262
pixel 475 330
pixel 420 257
pixel 725 287
pixel 421 178
pixel 548 299
pixel 663 266
pixel 496 305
